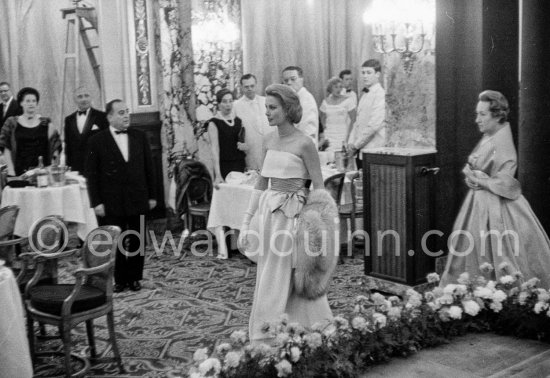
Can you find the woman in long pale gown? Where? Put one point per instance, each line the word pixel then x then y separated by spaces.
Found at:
pixel 290 159
pixel 337 115
pixel 494 205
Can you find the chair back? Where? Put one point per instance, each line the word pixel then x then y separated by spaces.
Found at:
pixel 199 190
pixel 98 249
pixel 334 185
pixel 8 216
pixel 48 235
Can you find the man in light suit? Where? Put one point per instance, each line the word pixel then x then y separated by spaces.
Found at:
pixel 293 76
pixel 8 105
pixel 121 186
pixel 369 129
pixel 79 127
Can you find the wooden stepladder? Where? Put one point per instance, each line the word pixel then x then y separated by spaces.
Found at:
pixel 81 25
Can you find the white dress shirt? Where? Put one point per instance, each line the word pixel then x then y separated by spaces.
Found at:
pixel 121 141
pixel 309 124
pixel 6 106
pixel 81 120
pixel 369 130
pixel 252 114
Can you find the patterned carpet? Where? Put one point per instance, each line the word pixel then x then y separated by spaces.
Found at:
pixel 186 303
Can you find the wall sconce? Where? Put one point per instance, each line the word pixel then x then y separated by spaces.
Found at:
pixel 401 26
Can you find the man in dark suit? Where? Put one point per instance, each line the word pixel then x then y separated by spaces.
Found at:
pixel 8 105
pixel 79 127
pixel 121 185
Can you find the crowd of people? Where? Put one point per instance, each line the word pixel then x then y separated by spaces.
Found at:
pixel 280 135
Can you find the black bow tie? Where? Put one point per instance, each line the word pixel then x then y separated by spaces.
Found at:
pixel 125 131
pixel 348 90
pixel 81 112
pixel 366 90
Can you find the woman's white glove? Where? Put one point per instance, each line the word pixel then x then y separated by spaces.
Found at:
pixel 253 203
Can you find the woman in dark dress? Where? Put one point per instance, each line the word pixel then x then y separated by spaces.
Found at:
pixel 26 137
pixel 224 129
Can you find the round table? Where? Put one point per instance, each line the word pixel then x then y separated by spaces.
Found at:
pixel 69 201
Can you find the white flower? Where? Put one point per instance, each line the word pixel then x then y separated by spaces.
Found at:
pixel 449 289
pixel 461 289
pixel 491 285
pixel 195 374
pixel 295 353
pixel 394 313
pixel 471 307
pixel 539 307
pixel 432 278
pixel 361 299
pixel 429 296
pixel 359 323
pixel 313 340
pixel 284 368
pixel 341 322
pixel 522 297
pixel 444 314
pixel 394 299
pixel 223 347
pixel 486 267
pixel 499 296
pixel 543 295
pixel 238 336
pixel 232 359
pixel 330 330
pixel 378 299
pixel 518 275
pixel 464 278
pixel 211 366
pixel 379 319
pixel 530 284
pixel 481 281
pixel 261 350
pixel 200 355
pixel 413 293
pixel 483 292
pixel 445 299
pixel 504 267
pixel 496 306
pixel 282 338
pixel 455 312
pixel 508 279
pixel 437 292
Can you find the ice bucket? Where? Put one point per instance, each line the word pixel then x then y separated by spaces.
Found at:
pixel 57 175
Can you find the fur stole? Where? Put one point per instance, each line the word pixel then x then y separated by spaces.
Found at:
pixel 317 244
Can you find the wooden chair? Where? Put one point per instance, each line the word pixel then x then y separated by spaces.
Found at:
pixel 90 297
pixel 47 235
pixel 352 210
pixel 199 194
pixel 8 244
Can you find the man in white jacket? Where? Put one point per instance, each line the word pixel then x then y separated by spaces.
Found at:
pixel 369 129
pixel 250 108
pixel 293 76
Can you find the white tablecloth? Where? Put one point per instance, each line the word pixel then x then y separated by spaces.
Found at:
pixel 15 359
pixel 69 201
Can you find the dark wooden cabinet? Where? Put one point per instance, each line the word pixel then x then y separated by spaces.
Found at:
pixel 398 195
pixel 150 124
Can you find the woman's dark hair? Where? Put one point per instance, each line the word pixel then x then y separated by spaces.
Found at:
pixel 289 101
pixel 498 104
pixel 27 91
pixel 221 93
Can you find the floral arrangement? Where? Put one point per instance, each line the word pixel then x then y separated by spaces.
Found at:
pixel 382 327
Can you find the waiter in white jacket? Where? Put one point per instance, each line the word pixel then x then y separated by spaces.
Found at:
pixel 293 76
pixel 369 129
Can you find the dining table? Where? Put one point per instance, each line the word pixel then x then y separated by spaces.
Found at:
pixel 15 358
pixel 230 202
pixel 69 201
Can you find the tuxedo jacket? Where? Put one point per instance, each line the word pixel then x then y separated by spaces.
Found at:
pixel 123 187
pixel 13 110
pixel 76 144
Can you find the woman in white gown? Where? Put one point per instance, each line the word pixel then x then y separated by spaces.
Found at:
pixel 337 115
pixel 290 158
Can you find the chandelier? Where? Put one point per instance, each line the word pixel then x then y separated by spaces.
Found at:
pixel 213 30
pixel 401 26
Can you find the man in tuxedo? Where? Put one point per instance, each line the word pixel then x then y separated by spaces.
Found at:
pixel 79 127
pixel 121 186
pixel 8 105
